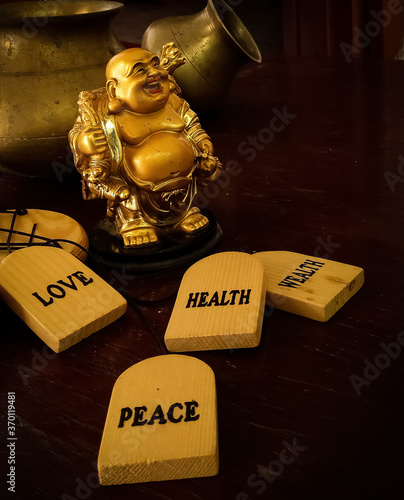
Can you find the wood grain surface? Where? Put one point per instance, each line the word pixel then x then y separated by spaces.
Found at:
pixel 57 296
pixel 309 286
pixel 220 304
pixel 38 227
pixel 161 423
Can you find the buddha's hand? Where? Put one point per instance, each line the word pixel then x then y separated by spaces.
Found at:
pixel 92 140
pixel 208 164
pixel 96 173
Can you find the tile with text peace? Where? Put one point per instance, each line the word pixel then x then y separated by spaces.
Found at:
pixel 308 286
pixel 58 297
pixel 161 423
pixel 220 304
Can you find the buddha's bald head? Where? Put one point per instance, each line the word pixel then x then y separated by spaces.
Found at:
pixel 122 63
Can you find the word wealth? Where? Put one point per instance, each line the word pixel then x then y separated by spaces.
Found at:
pixel 301 274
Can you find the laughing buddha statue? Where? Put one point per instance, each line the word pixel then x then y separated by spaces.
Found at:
pixel 138 144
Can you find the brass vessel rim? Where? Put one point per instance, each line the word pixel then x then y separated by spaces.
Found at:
pixel 236 29
pixel 18 12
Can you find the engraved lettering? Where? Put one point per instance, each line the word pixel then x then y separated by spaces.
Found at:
pixel 214 301
pixel 80 276
pixel 202 299
pixel 298 277
pixel 126 413
pixel 70 284
pixel 44 302
pixel 170 413
pixel 245 296
pixel 61 293
pixel 190 411
pixel 157 415
pixel 176 413
pixel 192 300
pixel 139 413
pixel 287 283
pixel 58 291
pixel 223 298
pixel 233 294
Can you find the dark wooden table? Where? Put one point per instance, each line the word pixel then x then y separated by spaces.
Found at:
pixel 314 412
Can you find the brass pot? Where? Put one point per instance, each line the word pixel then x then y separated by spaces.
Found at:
pixel 49 52
pixel 215 43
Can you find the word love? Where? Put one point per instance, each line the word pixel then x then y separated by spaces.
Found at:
pixel 173 414
pixel 59 291
pixel 301 274
pixel 55 274
pixel 200 299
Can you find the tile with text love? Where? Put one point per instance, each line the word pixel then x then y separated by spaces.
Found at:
pixel 58 297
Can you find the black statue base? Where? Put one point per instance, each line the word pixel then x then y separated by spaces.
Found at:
pixel 173 249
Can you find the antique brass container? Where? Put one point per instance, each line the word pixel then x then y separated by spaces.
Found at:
pixel 49 52
pixel 215 44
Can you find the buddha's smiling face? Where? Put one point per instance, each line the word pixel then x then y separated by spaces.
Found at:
pixel 135 78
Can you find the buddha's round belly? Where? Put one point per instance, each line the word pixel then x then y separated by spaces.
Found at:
pixel 162 162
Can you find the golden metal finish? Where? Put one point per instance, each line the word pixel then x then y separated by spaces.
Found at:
pixel 49 51
pixel 214 42
pixel 138 144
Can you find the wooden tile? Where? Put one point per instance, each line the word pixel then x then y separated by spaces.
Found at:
pixel 58 297
pixel 220 305
pixel 36 226
pixel 161 423
pixel 308 286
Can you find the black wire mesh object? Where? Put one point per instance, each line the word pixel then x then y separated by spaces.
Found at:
pixel 34 239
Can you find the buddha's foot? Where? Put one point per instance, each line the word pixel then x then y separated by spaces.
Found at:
pixel 141 236
pixel 193 222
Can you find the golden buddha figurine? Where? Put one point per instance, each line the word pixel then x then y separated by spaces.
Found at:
pixel 138 144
